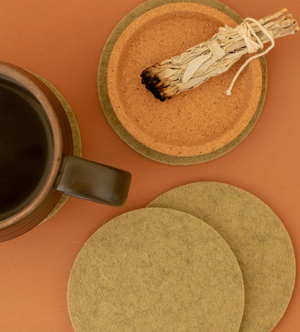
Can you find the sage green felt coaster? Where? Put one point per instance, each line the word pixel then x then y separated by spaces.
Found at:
pixel 156 270
pixel 77 148
pixel 256 236
pixel 117 125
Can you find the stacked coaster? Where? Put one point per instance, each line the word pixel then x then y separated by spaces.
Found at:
pixel 195 126
pixel 204 256
pixel 77 147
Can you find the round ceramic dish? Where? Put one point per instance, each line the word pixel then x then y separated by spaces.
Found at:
pixel 194 126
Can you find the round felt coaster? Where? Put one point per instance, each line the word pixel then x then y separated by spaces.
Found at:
pixel 188 129
pixel 155 270
pixel 77 148
pixel 256 236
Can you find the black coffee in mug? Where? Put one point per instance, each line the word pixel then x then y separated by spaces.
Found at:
pixel 37 162
pixel 25 147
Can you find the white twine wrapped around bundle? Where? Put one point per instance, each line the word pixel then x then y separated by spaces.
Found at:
pixel 215 56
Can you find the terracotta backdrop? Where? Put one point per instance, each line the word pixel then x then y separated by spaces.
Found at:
pixel 62 41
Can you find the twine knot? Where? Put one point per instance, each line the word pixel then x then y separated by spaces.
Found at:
pixel 245 30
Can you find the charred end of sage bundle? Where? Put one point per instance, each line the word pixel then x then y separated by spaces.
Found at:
pixel 215 56
pixel 155 83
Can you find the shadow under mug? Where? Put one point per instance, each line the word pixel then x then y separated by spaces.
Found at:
pixel 36 157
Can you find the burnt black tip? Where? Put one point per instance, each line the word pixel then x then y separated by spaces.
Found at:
pixel 151 84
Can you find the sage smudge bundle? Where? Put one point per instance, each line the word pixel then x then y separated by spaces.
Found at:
pixel 215 56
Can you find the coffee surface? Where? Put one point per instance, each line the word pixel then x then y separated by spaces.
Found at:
pixel 25 148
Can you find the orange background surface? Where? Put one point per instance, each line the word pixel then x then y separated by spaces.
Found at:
pixel 62 41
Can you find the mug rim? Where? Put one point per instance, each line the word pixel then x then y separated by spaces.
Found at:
pixel 22 77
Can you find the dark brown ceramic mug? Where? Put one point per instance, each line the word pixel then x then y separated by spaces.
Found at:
pixel 36 157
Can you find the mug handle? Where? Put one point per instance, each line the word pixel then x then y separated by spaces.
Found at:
pixel 92 181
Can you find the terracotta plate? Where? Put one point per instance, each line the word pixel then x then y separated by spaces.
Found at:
pixel 197 123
